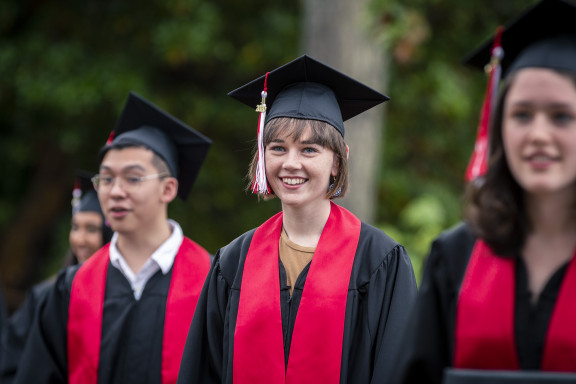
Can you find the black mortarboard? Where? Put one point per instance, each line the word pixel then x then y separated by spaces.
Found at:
pixel 304 89
pixel 543 36
pixel 308 89
pixel 181 147
pixel 84 197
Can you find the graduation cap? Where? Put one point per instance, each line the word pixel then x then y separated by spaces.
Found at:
pixel 305 89
pixel 543 36
pixel 308 89
pixel 84 197
pixel 183 149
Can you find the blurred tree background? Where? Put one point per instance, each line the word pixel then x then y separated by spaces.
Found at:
pixel 66 68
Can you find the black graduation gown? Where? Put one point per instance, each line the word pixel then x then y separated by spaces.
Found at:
pixel 17 329
pixel 382 288
pixel 428 345
pixel 3 320
pixel 132 332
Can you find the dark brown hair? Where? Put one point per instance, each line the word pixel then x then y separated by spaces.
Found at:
pixel 495 206
pixel 321 133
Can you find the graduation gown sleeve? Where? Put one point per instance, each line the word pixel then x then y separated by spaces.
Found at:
pixel 428 341
pixel 381 291
pixel 18 328
pixel 3 323
pixel 44 356
pixel 380 297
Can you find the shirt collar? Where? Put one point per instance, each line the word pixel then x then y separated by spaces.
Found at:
pixel 164 255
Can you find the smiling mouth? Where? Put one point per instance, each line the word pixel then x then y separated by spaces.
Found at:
pixel 293 181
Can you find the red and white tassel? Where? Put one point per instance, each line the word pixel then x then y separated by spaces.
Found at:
pixel 76 195
pixel 260 184
pixel 479 162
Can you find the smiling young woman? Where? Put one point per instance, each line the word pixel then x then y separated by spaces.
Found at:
pixel 313 294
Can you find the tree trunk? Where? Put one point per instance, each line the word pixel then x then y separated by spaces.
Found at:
pixel 336 33
pixel 24 245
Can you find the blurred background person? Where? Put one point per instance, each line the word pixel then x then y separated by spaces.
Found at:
pixel 498 290
pixel 88 233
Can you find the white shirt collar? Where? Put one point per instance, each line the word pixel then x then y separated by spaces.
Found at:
pixel 162 258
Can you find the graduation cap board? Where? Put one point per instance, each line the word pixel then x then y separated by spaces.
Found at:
pixel 84 197
pixel 183 149
pixel 308 89
pixel 543 36
pixel 304 89
pixel 473 376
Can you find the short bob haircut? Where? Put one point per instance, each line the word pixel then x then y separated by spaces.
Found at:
pixel 495 207
pixel 322 134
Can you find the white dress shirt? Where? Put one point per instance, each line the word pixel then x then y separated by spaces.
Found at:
pixel 162 258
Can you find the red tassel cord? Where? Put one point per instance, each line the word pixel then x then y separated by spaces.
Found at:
pixel 260 184
pixel 110 138
pixel 479 160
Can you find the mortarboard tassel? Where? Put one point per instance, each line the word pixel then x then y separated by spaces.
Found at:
pixel 110 138
pixel 260 184
pixel 76 195
pixel 479 160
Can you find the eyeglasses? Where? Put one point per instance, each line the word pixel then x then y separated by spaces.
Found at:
pixel 127 182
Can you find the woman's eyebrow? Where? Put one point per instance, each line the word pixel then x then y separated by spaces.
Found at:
pixel 310 142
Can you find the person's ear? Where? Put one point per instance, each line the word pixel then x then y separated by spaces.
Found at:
pixel 169 189
pixel 335 165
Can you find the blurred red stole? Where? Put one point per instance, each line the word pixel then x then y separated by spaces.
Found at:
pixel 189 271
pixel 485 338
pixel 316 347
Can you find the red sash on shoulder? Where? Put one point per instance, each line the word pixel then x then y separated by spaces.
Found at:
pixel 190 268
pixel 316 347
pixel 85 318
pixel 484 337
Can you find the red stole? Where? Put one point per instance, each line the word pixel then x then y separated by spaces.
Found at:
pixel 316 347
pixel 484 337
pixel 190 268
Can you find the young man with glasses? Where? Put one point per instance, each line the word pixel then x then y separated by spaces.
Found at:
pixel 123 316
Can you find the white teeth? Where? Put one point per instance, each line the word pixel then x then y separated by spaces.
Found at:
pixel 293 181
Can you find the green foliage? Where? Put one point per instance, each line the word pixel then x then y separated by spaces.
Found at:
pixel 66 69
pixel 421 220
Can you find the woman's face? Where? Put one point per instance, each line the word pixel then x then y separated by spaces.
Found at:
pixel 86 234
pixel 539 131
pixel 299 171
